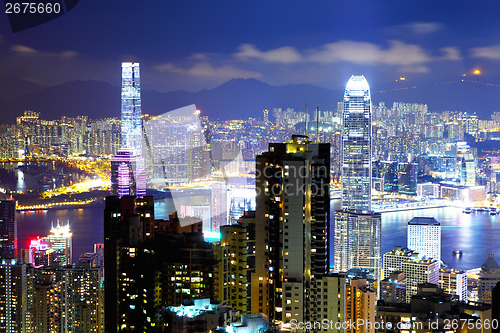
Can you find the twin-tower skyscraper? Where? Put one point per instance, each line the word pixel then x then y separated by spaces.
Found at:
pixel 357 230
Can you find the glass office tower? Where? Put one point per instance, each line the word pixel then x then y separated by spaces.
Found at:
pixel 131 106
pixel 128 175
pixel 357 146
pixel 357 229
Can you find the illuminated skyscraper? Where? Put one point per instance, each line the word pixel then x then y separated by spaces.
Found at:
pixel 56 247
pixel 390 176
pixel 12 296
pixel 234 265
pixel 292 228
pixel 454 283
pixel 131 106
pixel 128 176
pixel 8 229
pixel 63 299
pixel 61 242
pixel 357 146
pixel 357 228
pixel 418 271
pixel 424 237
pixel 357 242
pixel 470 123
pixel 466 164
pixel 360 304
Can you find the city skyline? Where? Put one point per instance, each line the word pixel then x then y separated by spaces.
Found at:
pixel 203 192
pixel 407 52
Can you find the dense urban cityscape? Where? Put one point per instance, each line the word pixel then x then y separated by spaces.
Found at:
pixel 249 167
pixel 255 215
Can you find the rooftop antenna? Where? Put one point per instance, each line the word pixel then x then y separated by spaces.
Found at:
pixel 317 124
pixel 307 116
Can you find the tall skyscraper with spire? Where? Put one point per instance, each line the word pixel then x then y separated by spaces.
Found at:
pixel 128 175
pixel 357 228
pixel 131 106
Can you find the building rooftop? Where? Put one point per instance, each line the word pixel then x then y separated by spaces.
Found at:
pixel 490 262
pixel 402 251
pixel 423 221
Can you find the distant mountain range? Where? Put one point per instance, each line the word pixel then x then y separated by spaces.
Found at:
pixel 234 99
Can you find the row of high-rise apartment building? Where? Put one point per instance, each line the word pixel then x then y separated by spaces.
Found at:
pixel 288 118
pixel 332 297
pixel 152 263
pixel 32 137
pixel 44 291
pixel 275 262
pixel 416 119
pixel 50 299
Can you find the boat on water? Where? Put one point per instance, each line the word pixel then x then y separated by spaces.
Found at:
pixel 458 252
pixel 478 209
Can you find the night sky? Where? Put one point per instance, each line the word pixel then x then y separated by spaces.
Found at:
pixel 194 45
